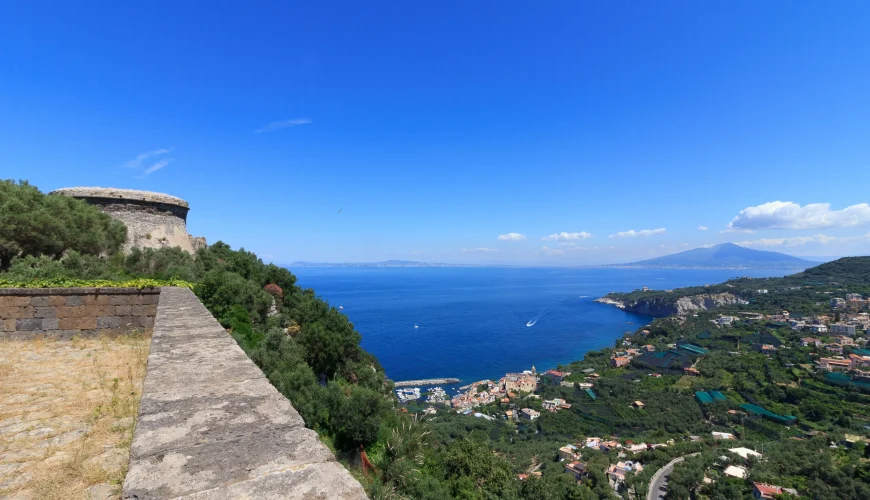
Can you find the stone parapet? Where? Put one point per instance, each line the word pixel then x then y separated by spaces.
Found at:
pixel 121 194
pixel 68 312
pixel 211 426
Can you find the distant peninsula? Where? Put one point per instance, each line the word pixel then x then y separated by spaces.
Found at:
pixel 724 256
pixel 386 263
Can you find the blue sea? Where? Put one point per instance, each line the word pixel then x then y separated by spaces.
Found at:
pixel 476 323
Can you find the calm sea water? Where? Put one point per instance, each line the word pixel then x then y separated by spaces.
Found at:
pixel 472 322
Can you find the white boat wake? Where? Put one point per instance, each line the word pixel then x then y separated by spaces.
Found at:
pixel 536 318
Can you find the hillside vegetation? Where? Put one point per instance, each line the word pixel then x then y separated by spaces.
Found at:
pixel 311 353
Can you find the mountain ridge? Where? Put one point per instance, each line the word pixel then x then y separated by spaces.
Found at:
pixel 726 256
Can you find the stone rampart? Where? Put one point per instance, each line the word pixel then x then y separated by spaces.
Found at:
pixel 211 426
pixel 153 220
pixel 67 312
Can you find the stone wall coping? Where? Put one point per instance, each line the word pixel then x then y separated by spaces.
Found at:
pixel 212 427
pixel 79 291
pixel 121 194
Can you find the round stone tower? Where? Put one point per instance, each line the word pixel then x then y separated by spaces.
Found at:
pixel 153 220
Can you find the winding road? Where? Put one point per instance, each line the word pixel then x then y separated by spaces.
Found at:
pixel 658 485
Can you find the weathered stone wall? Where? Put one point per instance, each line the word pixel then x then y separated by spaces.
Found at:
pixel 67 312
pixel 153 220
pixel 150 225
pixel 211 426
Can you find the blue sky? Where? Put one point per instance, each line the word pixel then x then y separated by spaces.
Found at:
pixel 437 127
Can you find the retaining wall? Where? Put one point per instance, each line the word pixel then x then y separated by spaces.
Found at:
pixel 211 426
pixel 66 312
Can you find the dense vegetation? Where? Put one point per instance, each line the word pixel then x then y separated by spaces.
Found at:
pixel 311 353
pixel 34 224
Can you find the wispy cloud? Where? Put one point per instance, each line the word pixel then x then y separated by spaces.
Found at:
pixel 582 235
pixel 480 250
pixel 157 166
pixel 790 215
pixel 552 251
pixel 512 237
pixel 631 233
pixel 797 241
pixel 145 162
pixel 283 124
pixel 140 159
pixel 703 228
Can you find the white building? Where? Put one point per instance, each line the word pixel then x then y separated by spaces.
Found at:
pixel 843 329
pixel 819 328
pixel 529 414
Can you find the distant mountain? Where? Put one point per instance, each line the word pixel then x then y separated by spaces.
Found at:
pixel 726 256
pixel 386 263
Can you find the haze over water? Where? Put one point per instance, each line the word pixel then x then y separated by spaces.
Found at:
pixel 472 321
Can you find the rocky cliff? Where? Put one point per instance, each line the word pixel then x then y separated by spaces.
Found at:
pixel 661 306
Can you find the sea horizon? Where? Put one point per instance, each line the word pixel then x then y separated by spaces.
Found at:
pixel 471 323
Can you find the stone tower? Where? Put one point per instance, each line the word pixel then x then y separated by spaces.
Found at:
pixel 153 220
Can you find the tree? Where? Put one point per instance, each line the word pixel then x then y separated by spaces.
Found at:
pixel 34 224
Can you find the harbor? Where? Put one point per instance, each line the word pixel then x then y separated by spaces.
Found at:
pixel 428 381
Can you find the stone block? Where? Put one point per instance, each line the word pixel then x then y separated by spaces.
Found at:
pixel 123 310
pixel 103 310
pixel 69 311
pixel 74 300
pixel 28 325
pixel 67 323
pixel 144 321
pixel 77 323
pixel 127 321
pixel 44 312
pixel 150 298
pixel 7 325
pixel 16 312
pixel 50 323
pixel 123 300
pixel 108 322
pixel 40 301
pixel 57 300
pixel 14 301
pixel 144 310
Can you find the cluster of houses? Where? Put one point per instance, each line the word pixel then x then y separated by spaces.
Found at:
pixel 502 391
pixel 623 357
pixel 616 473
pixel 854 362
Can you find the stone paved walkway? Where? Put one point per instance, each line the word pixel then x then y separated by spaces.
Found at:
pixel 67 410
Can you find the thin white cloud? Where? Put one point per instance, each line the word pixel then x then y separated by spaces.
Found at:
pixel 795 241
pixel 157 166
pixel 143 162
pixel 631 233
pixel 703 228
pixel 582 235
pixel 140 159
pixel 512 237
pixel 283 124
pixel 790 215
pixel 480 250
pixel 552 251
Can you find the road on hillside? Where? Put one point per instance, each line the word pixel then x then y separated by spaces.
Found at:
pixel 658 485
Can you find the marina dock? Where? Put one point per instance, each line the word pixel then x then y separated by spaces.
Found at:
pixel 427 381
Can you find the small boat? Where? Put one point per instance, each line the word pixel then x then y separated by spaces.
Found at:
pixel 415 325
pixel 341 307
